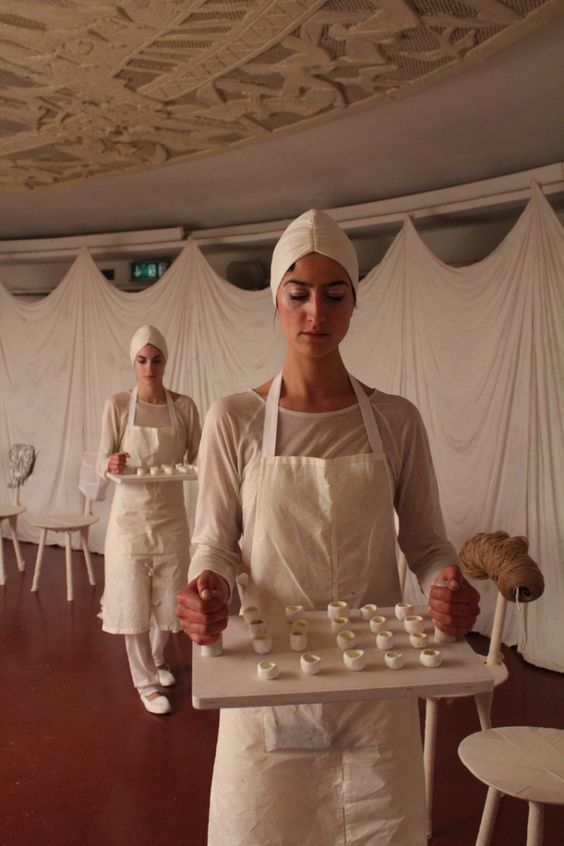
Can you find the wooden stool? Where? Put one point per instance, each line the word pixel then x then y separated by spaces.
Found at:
pixel 67 523
pixel 520 761
pixel 10 513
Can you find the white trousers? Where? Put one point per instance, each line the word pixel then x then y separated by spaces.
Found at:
pixel 145 653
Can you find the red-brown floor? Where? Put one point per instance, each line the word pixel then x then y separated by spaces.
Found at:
pixel 83 764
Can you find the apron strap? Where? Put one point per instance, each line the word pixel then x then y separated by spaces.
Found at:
pixel 367 416
pixel 271 417
pixel 133 402
pixel 171 410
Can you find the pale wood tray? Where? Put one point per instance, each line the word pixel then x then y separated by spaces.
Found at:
pixel 129 478
pixel 231 680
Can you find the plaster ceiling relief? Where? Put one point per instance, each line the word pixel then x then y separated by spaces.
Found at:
pixel 91 88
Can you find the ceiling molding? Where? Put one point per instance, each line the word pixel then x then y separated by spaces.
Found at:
pixel 488 194
pixel 92 90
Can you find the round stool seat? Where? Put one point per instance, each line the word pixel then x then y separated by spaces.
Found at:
pixel 522 761
pixel 7 510
pixel 62 522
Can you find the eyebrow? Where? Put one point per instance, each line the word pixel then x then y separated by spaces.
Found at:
pixel 292 281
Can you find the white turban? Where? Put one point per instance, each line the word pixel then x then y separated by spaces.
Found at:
pixel 312 232
pixel 147 334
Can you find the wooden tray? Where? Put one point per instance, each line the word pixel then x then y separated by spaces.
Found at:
pixel 231 680
pixel 129 478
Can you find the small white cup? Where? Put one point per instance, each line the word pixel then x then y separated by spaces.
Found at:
pixel 168 469
pixel 262 644
pixel 298 640
pixel 293 611
pixel 346 639
pixel 394 660
pixel 310 664
pixel 257 627
pixel 402 609
pixel 339 623
pixel 430 657
pixel 140 471
pixel 154 470
pixel 267 670
pixel 443 637
pixel 419 640
pixel 368 611
pixel 355 659
pixel 413 623
pixel 384 640
pixel 338 608
pixel 377 623
pixel 212 650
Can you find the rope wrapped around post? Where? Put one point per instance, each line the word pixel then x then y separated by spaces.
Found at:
pixel 504 560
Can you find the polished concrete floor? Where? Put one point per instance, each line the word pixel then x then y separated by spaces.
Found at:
pixel 83 764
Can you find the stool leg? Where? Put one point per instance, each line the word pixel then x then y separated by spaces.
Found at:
pixel 13 530
pixel 2 571
pixel 85 549
pixel 535 824
pixel 429 748
pixel 488 817
pixel 39 558
pixel 484 707
pixel 68 563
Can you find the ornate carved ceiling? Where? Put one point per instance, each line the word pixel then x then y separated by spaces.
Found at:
pixel 91 88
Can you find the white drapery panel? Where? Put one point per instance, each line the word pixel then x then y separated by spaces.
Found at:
pixel 478 349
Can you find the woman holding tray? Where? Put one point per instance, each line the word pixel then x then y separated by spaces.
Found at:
pixel 147 543
pixel 307 471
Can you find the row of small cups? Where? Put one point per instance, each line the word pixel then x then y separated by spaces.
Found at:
pixel 354 659
pixel 155 469
pixel 339 608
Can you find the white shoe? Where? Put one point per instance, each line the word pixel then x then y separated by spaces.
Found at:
pixel 166 679
pixel 157 705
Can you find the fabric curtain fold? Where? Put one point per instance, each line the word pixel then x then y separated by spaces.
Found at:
pixel 478 349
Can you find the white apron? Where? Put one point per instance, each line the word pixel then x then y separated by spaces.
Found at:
pixel 147 544
pixel 340 774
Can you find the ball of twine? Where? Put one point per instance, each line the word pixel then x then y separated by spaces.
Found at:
pixel 506 562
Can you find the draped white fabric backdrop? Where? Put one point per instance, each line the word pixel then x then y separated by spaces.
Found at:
pixel 478 349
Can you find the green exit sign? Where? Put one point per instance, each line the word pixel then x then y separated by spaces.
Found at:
pixel 147 271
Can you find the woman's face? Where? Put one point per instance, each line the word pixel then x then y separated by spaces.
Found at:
pixel 315 302
pixel 149 366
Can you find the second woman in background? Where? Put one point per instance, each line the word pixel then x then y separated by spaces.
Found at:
pixel 147 541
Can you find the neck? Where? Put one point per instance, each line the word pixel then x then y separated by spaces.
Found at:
pixel 154 394
pixel 315 384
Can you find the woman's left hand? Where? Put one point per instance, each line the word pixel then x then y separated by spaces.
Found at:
pixel 454 608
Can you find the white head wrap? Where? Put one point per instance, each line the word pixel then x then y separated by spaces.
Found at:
pixel 312 232
pixel 147 334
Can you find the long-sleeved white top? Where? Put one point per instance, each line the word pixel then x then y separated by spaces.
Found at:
pixel 114 424
pixel 228 475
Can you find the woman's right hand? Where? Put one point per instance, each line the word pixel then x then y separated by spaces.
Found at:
pixel 117 462
pixel 203 607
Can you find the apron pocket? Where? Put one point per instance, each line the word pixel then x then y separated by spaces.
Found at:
pixel 297 727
